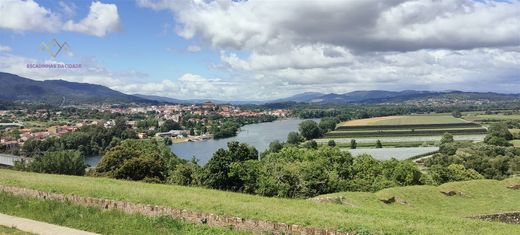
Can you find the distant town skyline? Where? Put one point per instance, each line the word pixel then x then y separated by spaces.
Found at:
pixel 263 50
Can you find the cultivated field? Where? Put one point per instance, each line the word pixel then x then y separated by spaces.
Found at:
pixel 404 120
pixel 418 210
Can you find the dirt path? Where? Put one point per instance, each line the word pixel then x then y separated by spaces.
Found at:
pixel 38 227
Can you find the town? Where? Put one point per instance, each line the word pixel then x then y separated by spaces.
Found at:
pixel 181 122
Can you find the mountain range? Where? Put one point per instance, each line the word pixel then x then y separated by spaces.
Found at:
pixel 59 92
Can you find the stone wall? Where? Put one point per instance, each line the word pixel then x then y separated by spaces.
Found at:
pixel 510 218
pixel 241 224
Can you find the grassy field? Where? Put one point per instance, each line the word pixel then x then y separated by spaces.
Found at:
pixel 491 117
pixel 516 143
pixel 404 120
pixel 95 220
pixel 404 132
pixel 11 231
pixel 426 212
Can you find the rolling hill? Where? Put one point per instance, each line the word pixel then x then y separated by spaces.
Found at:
pixel 59 92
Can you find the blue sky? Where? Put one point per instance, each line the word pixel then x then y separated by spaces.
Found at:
pixel 259 50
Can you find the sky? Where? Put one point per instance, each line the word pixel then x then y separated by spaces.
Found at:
pixel 266 49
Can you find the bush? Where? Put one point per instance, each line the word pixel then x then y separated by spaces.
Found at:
pixel 58 162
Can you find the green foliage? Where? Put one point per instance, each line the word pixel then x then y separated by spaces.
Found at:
pixel 447 138
pixel 309 129
pixel 328 124
pixel 137 160
pixel 294 138
pixel 379 144
pixel 353 144
pixel 275 146
pixel 217 172
pixel 331 143
pixel 169 125
pixel 186 174
pixel 64 162
pixel 456 113
pixel 311 144
pixel 497 140
pixel 454 172
pixel 500 130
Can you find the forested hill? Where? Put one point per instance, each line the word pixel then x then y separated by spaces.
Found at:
pixel 59 92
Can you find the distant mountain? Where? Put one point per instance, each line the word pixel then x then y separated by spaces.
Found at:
pixel 380 96
pixel 194 101
pixel 59 92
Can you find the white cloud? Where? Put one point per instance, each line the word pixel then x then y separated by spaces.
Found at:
pixel 5 48
pixel 28 15
pixel 102 18
pixel 193 48
pixel 396 25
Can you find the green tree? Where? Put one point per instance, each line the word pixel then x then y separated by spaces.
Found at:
pixel 64 162
pixel 328 124
pixel 331 143
pixel 447 138
pixel 500 130
pixel 456 113
pixel 169 125
pixel 379 144
pixel 294 138
pixel 309 129
pixel 353 144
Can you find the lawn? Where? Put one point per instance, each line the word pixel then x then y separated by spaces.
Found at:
pixel 405 120
pixel 12 231
pixel 96 220
pixel 492 117
pixel 433 214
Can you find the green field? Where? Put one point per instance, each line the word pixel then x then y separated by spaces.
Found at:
pixel 404 132
pixel 426 210
pixel 11 231
pixel 96 220
pixel 405 120
pixel 491 117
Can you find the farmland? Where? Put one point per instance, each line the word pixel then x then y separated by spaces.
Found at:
pixel 409 133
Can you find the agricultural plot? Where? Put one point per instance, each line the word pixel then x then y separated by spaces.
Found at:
pixel 491 117
pixel 402 137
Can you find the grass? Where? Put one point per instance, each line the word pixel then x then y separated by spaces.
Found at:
pixel 515 143
pixel 404 132
pixel 405 120
pixel 491 117
pixel 426 212
pixel 95 220
pixel 11 231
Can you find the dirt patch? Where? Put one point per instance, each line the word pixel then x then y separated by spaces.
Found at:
pixel 510 217
pixel 367 121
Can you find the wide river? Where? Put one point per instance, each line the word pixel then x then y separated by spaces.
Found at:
pixel 258 135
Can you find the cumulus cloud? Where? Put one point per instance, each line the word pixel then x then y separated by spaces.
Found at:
pixel 28 15
pixel 288 47
pixel 101 19
pixel 394 25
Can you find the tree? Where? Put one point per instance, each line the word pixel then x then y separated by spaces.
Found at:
pixel 309 129
pixel 294 138
pixel 328 124
pixel 378 144
pixel 331 143
pixel 138 160
pixel 64 162
pixel 500 130
pixel 275 146
pixel 311 144
pixel 456 113
pixel 169 125
pixel 447 138
pixel 353 144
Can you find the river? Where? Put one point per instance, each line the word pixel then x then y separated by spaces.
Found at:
pixel 258 135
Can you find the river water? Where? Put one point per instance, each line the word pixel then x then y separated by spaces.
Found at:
pixel 258 135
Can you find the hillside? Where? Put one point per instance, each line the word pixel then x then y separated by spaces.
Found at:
pixel 59 92
pixel 419 209
pixel 381 96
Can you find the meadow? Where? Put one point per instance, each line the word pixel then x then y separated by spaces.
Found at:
pixel 425 211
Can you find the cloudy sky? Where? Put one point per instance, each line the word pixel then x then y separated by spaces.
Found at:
pixel 265 49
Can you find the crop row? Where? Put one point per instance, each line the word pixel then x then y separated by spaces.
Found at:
pixel 430 132
pixel 411 126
